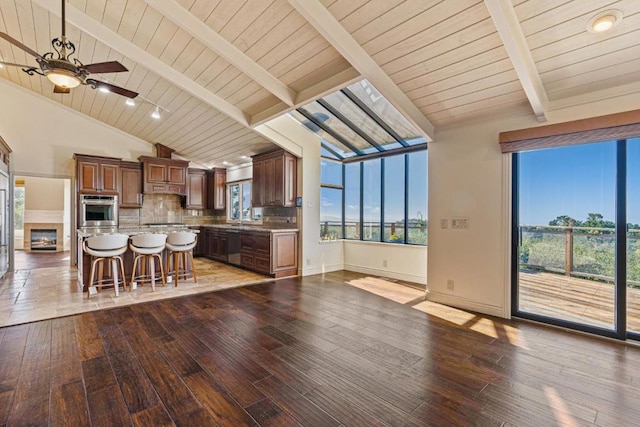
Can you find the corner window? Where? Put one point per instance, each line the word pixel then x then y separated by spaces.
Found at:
pixel 381 200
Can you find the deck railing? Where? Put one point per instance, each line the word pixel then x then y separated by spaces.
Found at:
pixel 393 231
pixel 587 252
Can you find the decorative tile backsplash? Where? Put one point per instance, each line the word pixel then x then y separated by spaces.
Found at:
pixel 159 208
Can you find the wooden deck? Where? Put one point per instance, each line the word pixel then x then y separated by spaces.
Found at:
pixel 575 299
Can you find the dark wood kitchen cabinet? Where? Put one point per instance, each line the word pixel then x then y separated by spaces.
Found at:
pixel 274 254
pixel 215 243
pixel 130 185
pixel 274 179
pixel 196 189
pixel 216 188
pixel 164 176
pixel 97 174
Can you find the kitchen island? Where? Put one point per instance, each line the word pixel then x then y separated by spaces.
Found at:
pixel 269 250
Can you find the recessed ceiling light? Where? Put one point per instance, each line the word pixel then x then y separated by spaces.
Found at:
pixel 225 162
pixel 130 102
pixel 604 21
pixel 244 157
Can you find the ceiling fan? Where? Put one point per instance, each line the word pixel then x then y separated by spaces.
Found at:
pixel 64 72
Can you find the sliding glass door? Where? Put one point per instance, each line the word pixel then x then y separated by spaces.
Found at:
pixel 566 204
pixel 633 236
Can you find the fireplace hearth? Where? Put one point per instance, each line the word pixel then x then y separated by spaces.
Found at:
pixel 43 240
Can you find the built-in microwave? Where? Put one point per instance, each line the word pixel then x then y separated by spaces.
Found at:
pixel 98 211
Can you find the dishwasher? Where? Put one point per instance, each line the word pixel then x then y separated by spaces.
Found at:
pixel 233 248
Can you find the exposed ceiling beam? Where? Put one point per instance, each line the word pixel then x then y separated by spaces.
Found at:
pixel 115 41
pixel 505 19
pixel 327 25
pixel 332 84
pixel 214 41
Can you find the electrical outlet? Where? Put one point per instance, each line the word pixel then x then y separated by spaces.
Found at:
pixel 385 263
pixel 450 285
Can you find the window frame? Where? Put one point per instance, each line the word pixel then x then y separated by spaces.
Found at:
pixel 252 210
pixel 383 169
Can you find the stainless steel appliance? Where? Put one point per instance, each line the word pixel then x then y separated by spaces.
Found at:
pixel 233 246
pixel 98 211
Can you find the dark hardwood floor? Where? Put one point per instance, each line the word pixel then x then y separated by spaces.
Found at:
pixel 311 351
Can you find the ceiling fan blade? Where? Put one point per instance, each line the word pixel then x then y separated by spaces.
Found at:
pixel 16 43
pixel 60 89
pixel 10 64
pixel 112 88
pixel 105 67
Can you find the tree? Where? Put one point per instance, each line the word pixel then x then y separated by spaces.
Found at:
pixel 565 220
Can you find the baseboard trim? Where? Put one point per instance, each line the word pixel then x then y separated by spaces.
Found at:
pixel 321 269
pixel 386 273
pixel 465 304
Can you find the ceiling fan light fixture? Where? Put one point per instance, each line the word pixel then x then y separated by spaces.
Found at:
pixel 63 79
pixel 156 113
pixel 604 21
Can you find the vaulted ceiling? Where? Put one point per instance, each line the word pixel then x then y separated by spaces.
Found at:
pixel 218 68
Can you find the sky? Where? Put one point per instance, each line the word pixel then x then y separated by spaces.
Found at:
pixel 575 181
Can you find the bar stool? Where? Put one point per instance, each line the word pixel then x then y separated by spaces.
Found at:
pixel 106 247
pixel 180 244
pixel 147 246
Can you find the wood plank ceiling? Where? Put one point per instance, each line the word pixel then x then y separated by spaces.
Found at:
pixel 447 57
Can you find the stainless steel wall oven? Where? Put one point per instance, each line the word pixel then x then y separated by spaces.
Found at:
pixel 98 211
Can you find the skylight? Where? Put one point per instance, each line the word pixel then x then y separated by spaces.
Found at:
pixel 357 121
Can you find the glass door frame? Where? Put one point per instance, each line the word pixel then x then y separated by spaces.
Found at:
pixel 620 281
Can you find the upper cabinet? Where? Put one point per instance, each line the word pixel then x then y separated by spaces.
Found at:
pixel 196 189
pixel 216 188
pixel 130 185
pixel 274 179
pixel 95 174
pixel 164 176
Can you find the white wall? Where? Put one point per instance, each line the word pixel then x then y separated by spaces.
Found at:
pixel 469 177
pixel 44 135
pixel 240 173
pixel 404 262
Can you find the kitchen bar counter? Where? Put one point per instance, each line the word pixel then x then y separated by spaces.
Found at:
pixel 131 230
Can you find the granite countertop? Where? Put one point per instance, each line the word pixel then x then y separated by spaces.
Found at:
pixel 272 228
pixel 131 230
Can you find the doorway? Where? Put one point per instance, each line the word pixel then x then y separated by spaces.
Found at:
pixel 576 246
pixel 42 222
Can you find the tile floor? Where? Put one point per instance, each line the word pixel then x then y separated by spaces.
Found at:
pixel 28 295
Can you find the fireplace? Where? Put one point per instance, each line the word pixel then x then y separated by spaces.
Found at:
pixel 43 239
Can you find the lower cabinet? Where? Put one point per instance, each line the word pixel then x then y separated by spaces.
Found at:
pixel 271 253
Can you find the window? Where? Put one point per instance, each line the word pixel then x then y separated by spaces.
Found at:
pixel 352 201
pixel 417 198
pixel 331 191
pixel 394 199
pixel 371 200
pixel 381 200
pixel 239 208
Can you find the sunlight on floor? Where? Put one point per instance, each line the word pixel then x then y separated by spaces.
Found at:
pixel 473 322
pixel 387 289
pixel 560 410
